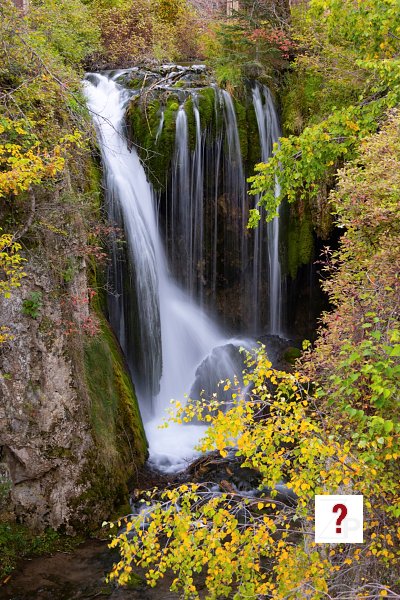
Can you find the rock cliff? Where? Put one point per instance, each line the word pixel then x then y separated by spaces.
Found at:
pixel 70 429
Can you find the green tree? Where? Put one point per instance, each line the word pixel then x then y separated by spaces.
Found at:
pixel 253 41
pixel 346 44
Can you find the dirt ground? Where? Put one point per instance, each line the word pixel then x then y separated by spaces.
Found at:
pixel 76 576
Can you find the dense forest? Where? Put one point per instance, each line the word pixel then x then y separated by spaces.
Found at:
pixel 257 143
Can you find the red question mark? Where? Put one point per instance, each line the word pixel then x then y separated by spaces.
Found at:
pixel 343 513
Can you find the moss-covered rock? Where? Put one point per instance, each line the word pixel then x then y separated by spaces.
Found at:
pixel 241 118
pixel 300 239
pixel 156 149
pixel 120 445
pixel 291 354
pixel 114 409
pixel 191 121
pixel 144 119
pixel 205 99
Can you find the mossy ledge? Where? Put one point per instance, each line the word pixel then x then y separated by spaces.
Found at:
pixel 156 148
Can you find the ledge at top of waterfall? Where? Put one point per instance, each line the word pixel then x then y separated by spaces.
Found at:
pixel 171 344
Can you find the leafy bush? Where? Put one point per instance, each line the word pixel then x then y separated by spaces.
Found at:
pixel 11 264
pixel 255 545
pixel 32 305
pixel 66 26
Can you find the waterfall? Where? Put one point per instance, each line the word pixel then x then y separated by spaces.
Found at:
pixel 134 303
pixel 237 211
pixel 197 197
pixel 180 221
pixel 186 212
pixel 171 345
pixel 207 205
pixel 269 131
pixel 217 260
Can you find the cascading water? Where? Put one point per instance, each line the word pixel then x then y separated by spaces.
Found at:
pixel 173 336
pixel 207 206
pixel 181 217
pixel 235 184
pixel 206 228
pixel 197 198
pixel 269 132
pixel 134 303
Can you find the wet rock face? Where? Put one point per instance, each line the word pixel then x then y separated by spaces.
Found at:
pixel 44 429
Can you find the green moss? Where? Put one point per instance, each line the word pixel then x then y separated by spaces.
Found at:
pixel 300 240
pixel 173 106
pixel 291 355
pixel 206 104
pixel 241 117
pixel 144 119
pixel 188 107
pixel 117 428
pixel 135 83
pixel 114 407
pixel 17 541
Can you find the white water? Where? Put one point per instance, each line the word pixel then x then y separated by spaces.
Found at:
pixel 237 186
pixel 268 128
pixel 198 201
pixel 187 336
pixel 181 213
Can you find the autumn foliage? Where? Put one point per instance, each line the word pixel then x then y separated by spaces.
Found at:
pixel 154 29
pixel 254 545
